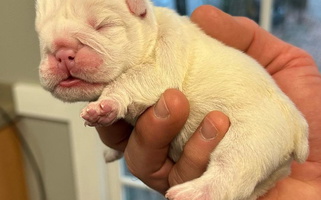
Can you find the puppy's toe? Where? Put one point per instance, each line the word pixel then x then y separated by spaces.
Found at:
pixel 100 113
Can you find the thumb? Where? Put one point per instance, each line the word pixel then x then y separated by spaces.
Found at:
pixel 197 150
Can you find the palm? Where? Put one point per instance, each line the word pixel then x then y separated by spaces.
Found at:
pixel 297 75
pixel 297 187
pixel 293 70
pixel 305 179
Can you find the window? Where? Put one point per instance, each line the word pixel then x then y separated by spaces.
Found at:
pixel 299 23
pixel 133 189
pixel 295 21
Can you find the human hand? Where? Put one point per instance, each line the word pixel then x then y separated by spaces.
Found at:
pixel 146 146
pixel 296 74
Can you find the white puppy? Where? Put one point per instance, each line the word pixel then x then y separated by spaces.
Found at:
pixel 123 54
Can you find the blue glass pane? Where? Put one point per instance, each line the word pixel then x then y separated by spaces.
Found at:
pixel 301 26
pixel 165 3
pixel 141 194
pixel 133 193
pixel 192 4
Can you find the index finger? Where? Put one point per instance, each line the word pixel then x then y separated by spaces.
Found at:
pixel 223 27
pixel 245 35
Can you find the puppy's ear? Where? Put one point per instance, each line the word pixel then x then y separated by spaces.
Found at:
pixel 137 7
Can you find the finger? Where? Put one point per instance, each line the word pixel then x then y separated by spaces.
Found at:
pixel 197 150
pixel 245 35
pixel 223 27
pixel 147 149
pixel 115 136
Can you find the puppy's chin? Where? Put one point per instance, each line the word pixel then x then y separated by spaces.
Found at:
pixel 75 94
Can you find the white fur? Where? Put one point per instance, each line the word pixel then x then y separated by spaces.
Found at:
pixel 143 54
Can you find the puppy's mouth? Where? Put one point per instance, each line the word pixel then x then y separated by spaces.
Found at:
pixel 72 82
pixel 75 82
pixel 74 89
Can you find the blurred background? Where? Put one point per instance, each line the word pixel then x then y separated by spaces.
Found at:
pixel 46 153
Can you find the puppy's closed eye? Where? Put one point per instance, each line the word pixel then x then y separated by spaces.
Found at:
pixel 103 25
pixel 100 25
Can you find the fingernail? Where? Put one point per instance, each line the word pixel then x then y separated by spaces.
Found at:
pixel 208 130
pixel 160 109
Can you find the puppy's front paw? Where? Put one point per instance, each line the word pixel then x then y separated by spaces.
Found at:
pixel 100 113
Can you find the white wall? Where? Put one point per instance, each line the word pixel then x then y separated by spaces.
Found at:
pixel 82 147
pixel 19 54
pixel 49 140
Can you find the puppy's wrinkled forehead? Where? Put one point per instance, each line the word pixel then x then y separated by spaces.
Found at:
pixel 48 10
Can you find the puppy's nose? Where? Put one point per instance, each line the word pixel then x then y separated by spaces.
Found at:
pixel 66 58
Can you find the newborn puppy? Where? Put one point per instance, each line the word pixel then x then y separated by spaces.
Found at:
pixel 121 55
